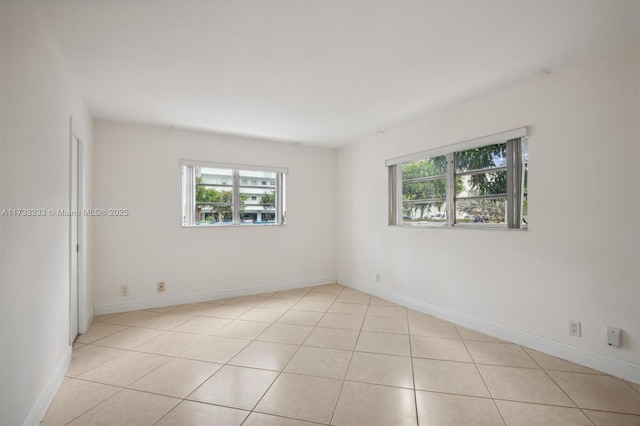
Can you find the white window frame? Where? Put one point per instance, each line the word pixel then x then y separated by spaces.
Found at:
pixel 189 192
pixel 515 167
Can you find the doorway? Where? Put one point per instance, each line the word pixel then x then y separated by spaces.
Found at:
pixel 75 217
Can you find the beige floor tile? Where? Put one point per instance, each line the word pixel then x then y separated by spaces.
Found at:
pixel 278 303
pixel 383 343
pixel 300 318
pixel 411 314
pixel 378 301
pixel 285 333
pixel 196 414
pixel 90 356
pixel 386 325
pixel 75 397
pixel 381 369
pixel 100 318
pixel 125 369
pixel 129 338
pixel 259 419
pixel 332 338
pixel 353 298
pixel 315 296
pixel 603 418
pixel 215 349
pixel 171 343
pixel 324 362
pixel 636 386
pixel 203 325
pixel 237 387
pixel 194 309
pixel 132 318
pixel 163 309
pixel 301 397
pixel 242 329
pixel 178 377
pixel 438 348
pixel 468 334
pixel 433 328
pixel 598 392
pixel 387 311
pixel 552 363
pixel 128 407
pixel 348 322
pixel 506 354
pixel 227 311
pixel 165 321
pixel 262 314
pixel 363 404
pixel 523 384
pixel 247 300
pixel 78 345
pixel 99 331
pixel 524 414
pixel 295 292
pixel 267 355
pixel 313 305
pixel 448 376
pixel 348 308
pixel 439 409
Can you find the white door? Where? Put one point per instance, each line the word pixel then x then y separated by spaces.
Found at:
pixel 74 218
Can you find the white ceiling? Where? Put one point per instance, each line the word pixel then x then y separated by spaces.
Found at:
pixel 324 72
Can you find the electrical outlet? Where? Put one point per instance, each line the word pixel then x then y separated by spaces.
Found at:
pixel 378 277
pixel 574 328
pixel 160 286
pixel 124 290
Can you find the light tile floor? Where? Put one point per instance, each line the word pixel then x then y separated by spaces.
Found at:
pixel 321 355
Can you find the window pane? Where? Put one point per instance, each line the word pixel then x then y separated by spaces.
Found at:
pixel 424 213
pixel 490 183
pixel 257 205
pixel 481 211
pixel 424 190
pixel 433 166
pixel 214 196
pixel 484 157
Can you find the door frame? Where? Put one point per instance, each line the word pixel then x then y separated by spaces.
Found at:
pixel 76 245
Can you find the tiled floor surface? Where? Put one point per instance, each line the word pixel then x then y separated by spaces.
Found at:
pixel 321 355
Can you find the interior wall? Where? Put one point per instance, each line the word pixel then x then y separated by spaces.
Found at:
pixel 578 259
pixel 38 98
pixel 138 168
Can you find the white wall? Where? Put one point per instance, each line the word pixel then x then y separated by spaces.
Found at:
pixel 38 99
pixel 522 285
pixel 138 167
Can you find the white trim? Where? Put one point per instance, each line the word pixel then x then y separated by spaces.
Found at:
pixel 460 146
pixel 84 325
pixel 39 409
pixel 623 369
pixel 196 163
pixel 210 295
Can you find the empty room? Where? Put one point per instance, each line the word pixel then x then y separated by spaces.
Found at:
pixel 305 212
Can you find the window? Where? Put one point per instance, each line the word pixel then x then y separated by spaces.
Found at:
pixel 478 183
pixel 215 194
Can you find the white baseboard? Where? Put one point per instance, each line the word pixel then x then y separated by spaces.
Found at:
pixel 39 409
pixel 210 295
pixel 83 327
pixel 624 370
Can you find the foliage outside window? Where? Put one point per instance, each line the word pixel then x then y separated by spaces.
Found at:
pixel 469 184
pixel 228 195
